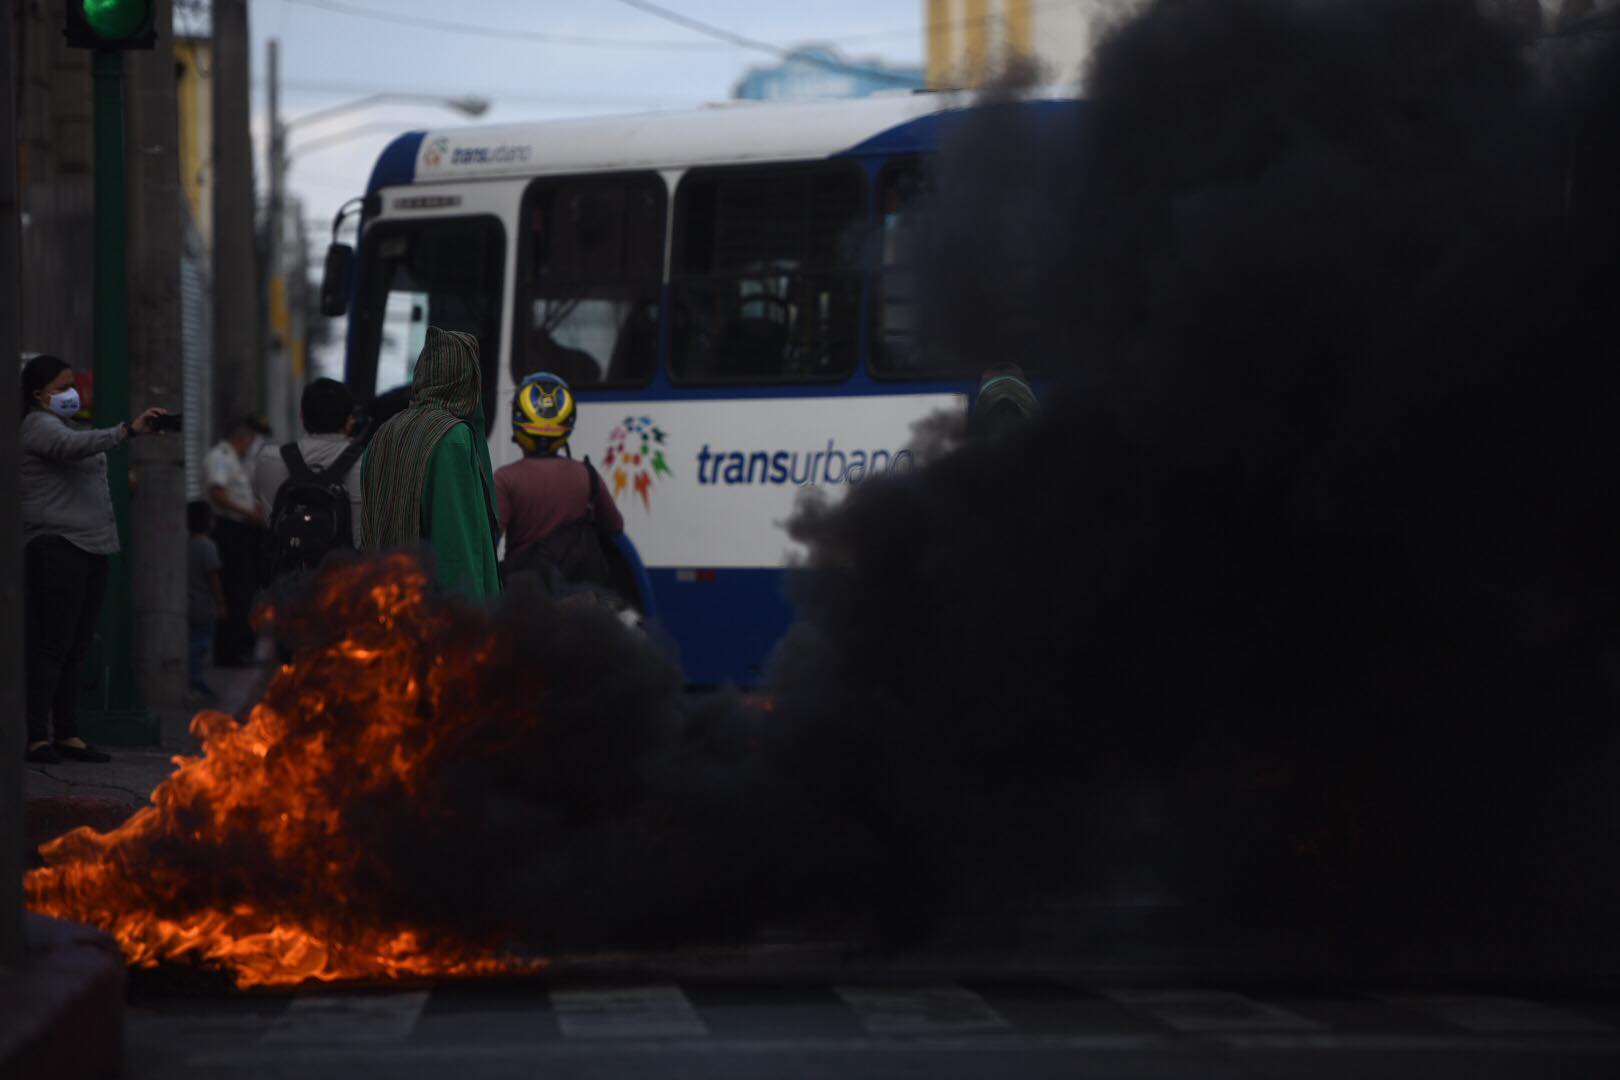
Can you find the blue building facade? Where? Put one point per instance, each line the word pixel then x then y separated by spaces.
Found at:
pixel 820 71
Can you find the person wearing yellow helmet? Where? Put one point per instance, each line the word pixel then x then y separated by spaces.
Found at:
pixel 543 414
pixel 556 514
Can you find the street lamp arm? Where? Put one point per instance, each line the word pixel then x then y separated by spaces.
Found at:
pixel 470 105
pixel 321 142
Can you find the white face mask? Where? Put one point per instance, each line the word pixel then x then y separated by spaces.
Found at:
pixel 66 403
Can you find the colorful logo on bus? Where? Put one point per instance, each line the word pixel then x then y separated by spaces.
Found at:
pixel 435 152
pixel 635 457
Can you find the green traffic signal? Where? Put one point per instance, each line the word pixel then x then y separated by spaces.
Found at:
pixel 113 20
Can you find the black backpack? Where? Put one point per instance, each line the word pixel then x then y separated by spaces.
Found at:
pixel 574 553
pixel 311 514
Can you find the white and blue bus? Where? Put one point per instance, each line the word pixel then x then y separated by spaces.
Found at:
pixel 724 290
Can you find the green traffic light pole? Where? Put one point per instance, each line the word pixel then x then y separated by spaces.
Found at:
pixel 114 712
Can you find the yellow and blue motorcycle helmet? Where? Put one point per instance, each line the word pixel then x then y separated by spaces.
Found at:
pixel 543 413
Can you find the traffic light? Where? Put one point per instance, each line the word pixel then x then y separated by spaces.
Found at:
pixel 109 24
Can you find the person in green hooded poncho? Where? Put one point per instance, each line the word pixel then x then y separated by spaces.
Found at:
pixel 426 474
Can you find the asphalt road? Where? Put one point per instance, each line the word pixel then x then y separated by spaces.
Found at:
pixel 848 1029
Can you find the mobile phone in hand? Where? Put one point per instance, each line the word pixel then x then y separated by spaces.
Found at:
pixel 166 422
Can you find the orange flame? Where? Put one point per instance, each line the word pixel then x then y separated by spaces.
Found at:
pixel 252 856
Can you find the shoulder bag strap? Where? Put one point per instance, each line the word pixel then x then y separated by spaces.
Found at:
pixel 296 466
pixel 339 469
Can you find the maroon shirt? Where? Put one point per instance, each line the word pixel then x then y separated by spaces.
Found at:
pixel 536 495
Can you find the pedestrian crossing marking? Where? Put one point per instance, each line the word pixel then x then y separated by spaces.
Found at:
pixel 347 1018
pixel 651 1020
pixel 627 1012
pixel 1212 1011
pixel 287 1055
pixel 1409 1043
pixel 1501 1015
pixel 920 1010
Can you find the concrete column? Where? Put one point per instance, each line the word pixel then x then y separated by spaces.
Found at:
pixel 12 734
pixel 157 518
pixel 238 345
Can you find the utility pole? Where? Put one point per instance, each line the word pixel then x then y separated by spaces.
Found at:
pixel 238 349
pixel 111 28
pixel 116 705
pixel 277 345
pixel 11 570
pixel 157 523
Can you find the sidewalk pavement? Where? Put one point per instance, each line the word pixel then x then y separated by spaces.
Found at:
pixel 59 798
pixel 62 1011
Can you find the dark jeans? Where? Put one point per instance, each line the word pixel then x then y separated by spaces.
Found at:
pixel 63 590
pixel 240 550
pixel 199 643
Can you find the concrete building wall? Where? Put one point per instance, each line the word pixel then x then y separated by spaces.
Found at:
pixel 970 41
pixel 1063 34
pixel 55 155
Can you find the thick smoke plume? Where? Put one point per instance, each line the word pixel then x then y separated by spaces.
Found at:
pixel 1312 547
pixel 1315 539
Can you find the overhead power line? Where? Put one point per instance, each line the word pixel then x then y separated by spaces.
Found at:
pixel 447 26
pixel 498 95
pixel 744 42
pixel 721 35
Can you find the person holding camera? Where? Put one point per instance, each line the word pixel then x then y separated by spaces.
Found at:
pixel 68 533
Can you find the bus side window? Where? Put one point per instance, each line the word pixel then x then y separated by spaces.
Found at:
pixel 765 285
pixel 903 188
pixel 591 267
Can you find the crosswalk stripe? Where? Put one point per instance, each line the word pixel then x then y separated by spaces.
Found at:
pixel 920 1010
pixel 1409 1043
pixel 417 1053
pixel 347 1018
pixel 1500 1015
pixel 627 1012
pixel 1212 1011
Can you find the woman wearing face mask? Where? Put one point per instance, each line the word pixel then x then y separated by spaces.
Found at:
pixel 68 530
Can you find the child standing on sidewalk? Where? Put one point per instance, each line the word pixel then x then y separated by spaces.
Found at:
pixel 205 595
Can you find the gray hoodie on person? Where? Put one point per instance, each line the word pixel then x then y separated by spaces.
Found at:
pixel 64 482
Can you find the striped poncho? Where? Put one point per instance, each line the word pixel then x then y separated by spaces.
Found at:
pixel 426 473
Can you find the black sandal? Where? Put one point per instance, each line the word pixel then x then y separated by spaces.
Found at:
pixel 82 753
pixel 43 755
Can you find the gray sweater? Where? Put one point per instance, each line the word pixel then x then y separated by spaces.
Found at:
pixel 64 482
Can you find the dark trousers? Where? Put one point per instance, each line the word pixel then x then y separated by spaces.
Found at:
pixel 239 556
pixel 199 643
pixel 63 590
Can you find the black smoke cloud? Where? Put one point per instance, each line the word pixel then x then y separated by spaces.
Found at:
pixel 1314 540
pixel 1311 547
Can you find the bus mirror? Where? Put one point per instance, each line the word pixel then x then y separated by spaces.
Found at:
pixel 335 280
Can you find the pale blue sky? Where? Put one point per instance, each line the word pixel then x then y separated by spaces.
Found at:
pixel 328 58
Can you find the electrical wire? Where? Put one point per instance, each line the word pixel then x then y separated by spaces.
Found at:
pixel 721 36
pixel 498 96
pixel 447 26
pixel 356 11
pixel 744 42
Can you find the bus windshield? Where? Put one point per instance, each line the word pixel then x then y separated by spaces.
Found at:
pixel 444 272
